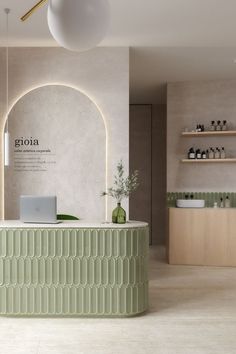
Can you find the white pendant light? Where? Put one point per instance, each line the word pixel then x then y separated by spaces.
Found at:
pixel 6 134
pixel 78 25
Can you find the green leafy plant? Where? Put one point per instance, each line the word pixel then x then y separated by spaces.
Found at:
pixel 123 186
pixel 66 217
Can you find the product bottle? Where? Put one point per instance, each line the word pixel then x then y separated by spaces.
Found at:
pixel 221 203
pixel 212 127
pixel 198 154
pixel 211 154
pixel 204 156
pixel 198 128
pixel 191 154
pixel 207 154
pixel 217 153
pixel 227 202
pixel 215 205
pixel 224 126
pixel 222 153
pixel 218 127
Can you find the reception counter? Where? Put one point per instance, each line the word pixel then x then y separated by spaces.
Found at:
pixel 73 268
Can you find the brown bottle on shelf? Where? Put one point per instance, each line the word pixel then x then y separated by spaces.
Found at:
pixel 222 153
pixel 213 126
pixel 198 154
pixel 211 154
pixel 218 127
pixel 217 153
pixel 191 154
pixel 224 126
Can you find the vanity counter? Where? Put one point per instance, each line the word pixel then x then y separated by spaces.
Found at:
pixel 73 268
pixel 202 236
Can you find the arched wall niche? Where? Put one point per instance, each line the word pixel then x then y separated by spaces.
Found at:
pixel 58 146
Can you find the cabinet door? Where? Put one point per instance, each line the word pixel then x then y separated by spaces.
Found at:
pixel 141 160
pixel 231 244
pixel 187 230
pixel 220 238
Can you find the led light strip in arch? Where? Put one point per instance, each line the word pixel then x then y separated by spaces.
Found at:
pixel 40 86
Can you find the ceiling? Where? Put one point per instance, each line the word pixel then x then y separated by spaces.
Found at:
pixel 190 39
pixel 152 68
pixel 140 23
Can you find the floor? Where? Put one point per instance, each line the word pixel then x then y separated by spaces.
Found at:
pixel 192 311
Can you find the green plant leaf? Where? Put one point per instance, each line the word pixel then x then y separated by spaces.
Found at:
pixel 66 217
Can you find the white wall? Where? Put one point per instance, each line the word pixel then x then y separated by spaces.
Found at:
pixel 102 73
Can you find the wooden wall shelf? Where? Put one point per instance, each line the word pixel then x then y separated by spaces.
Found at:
pixel 209 133
pixel 208 160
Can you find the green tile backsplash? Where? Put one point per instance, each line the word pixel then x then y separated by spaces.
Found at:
pixel 209 197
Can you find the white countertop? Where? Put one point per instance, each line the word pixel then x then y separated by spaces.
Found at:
pixel 81 224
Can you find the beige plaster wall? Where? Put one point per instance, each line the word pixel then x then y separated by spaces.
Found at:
pixel 102 73
pixel 190 103
pixel 69 160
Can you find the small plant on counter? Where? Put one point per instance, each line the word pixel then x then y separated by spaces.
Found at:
pixel 123 187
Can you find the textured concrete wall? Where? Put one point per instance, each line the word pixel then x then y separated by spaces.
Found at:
pixel 102 73
pixel 190 103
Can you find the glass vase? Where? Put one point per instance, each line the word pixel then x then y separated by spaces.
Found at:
pixel 119 215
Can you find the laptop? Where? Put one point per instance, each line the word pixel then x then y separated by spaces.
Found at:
pixel 38 209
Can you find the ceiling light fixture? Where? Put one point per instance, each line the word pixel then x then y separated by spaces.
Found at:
pixel 34 8
pixel 76 25
pixel 6 134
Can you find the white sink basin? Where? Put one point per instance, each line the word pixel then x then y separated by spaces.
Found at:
pixel 190 203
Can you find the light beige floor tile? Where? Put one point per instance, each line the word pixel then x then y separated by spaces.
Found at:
pixel 12 346
pixel 192 311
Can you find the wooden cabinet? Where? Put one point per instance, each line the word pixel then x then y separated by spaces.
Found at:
pixel 202 236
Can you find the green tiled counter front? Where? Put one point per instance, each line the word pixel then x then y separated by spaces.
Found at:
pixel 74 271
